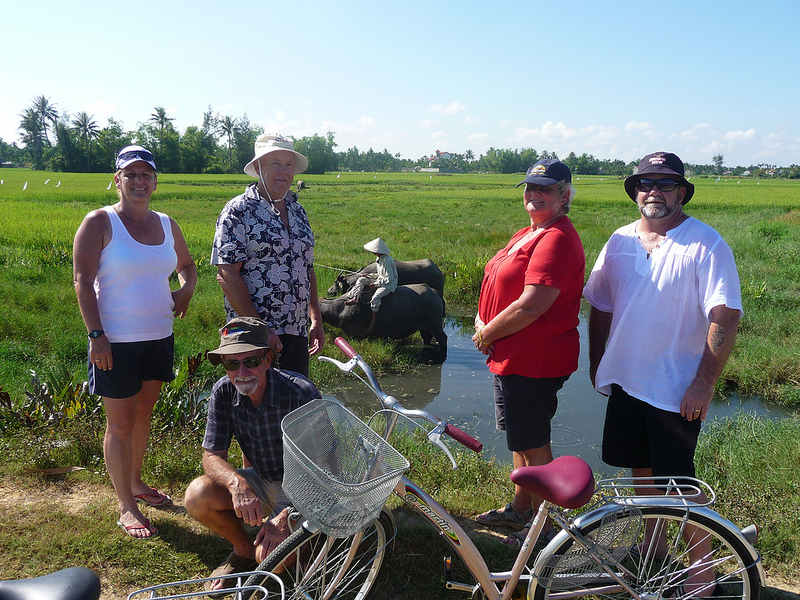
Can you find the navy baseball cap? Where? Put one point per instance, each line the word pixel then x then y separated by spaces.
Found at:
pixel 548 171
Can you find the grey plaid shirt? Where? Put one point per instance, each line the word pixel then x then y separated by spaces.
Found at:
pixel 258 430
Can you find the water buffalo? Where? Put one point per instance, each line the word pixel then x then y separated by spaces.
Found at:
pixel 410 308
pixel 408 271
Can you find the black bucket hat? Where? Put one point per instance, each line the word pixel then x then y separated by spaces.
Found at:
pixel 659 163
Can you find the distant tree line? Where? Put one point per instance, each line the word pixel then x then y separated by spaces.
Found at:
pixel 57 141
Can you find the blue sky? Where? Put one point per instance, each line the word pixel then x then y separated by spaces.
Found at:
pixel 611 79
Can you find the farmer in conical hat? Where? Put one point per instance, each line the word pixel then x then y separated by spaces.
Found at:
pixel 384 281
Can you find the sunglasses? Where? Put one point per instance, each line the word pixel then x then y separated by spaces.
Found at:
pixel 136 154
pixel 251 362
pixel 665 185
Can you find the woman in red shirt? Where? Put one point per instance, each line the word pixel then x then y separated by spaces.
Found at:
pixel 527 326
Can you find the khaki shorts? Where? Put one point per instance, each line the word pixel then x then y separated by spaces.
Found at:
pixel 273 498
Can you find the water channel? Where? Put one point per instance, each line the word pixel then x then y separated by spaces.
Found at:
pixel 460 391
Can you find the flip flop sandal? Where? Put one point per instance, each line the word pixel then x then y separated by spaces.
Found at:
pixel 162 499
pixel 508 516
pixel 129 529
pixel 233 564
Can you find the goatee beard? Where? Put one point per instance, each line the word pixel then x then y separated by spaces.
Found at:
pixel 246 387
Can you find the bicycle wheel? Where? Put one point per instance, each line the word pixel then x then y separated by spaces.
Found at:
pixel 314 565
pixel 692 548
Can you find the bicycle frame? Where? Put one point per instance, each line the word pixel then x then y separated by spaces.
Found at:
pixel 689 498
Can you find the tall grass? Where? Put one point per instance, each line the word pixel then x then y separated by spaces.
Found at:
pixel 459 221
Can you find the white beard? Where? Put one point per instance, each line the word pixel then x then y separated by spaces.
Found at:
pixel 246 387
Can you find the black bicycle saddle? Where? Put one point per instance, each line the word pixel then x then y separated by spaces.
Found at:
pixel 75 583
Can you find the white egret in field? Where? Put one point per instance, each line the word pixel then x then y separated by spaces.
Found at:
pixel 717 181
pixel 2 181
pixel 59 183
pixel 25 187
pixel 109 185
pixel 338 175
pixel 46 182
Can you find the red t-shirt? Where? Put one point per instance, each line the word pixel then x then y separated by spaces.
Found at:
pixel 548 347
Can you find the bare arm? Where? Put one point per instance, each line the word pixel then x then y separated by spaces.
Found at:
pixel 233 286
pixel 245 502
pixel 721 336
pixel 187 273
pixel 316 333
pixel 534 301
pixel 92 236
pixel 599 328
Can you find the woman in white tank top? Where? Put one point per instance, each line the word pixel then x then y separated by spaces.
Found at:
pixel 123 257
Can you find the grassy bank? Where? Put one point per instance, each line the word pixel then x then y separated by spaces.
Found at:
pixel 459 221
pixel 51 522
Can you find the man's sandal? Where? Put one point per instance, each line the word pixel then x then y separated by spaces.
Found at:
pixel 232 565
pixel 516 539
pixel 508 516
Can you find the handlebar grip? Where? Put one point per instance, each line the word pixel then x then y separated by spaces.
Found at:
pixel 463 438
pixel 345 347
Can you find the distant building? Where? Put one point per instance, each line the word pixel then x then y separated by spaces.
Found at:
pixel 438 156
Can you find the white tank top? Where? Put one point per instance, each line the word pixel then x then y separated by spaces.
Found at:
pixel 132 284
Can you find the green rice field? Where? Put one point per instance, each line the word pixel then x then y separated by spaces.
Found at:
pixel 459 221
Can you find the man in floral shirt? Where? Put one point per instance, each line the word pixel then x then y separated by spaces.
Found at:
pixel 264 253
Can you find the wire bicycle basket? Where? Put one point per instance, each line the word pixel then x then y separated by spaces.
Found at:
pixel 338 472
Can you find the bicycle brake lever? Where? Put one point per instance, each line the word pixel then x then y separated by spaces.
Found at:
pixel 346 367
pixel 435 437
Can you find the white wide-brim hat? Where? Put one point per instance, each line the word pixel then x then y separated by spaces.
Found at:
pixel 267 144
pixel 377 246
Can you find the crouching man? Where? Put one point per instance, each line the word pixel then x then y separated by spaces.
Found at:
pixel 248 403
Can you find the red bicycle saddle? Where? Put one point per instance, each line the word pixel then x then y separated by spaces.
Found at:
pixel 567 481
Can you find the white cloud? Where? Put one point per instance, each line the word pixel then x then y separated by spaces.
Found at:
pixel 740 135
pixel 428 123
pixel 469 120
pixel 449 109
pixel 477 138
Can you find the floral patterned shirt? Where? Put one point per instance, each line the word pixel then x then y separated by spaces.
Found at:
pixel 275 261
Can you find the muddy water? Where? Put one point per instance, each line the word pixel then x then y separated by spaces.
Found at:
pixel 460 391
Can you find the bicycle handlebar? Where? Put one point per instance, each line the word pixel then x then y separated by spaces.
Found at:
pixel 391 403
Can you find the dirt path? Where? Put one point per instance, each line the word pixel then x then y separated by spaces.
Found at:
pixel 75 499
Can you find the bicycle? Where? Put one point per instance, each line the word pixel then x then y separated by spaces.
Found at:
pixel 611 550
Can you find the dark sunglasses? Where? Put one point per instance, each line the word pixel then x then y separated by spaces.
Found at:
pixel 136 154
pixel 665 185
pixel 251 362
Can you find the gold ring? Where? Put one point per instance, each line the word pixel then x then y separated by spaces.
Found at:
pixel 697 410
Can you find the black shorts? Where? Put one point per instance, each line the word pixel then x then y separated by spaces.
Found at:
pixel 524 407
pixel 134 362
pixel 640 436
pixel 294 354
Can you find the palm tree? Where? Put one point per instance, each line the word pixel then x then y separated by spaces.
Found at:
pixel 87 130
pixel 47 114
pixel 227 127
pixel 469 156
pixel 33 136
pixel 161 120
